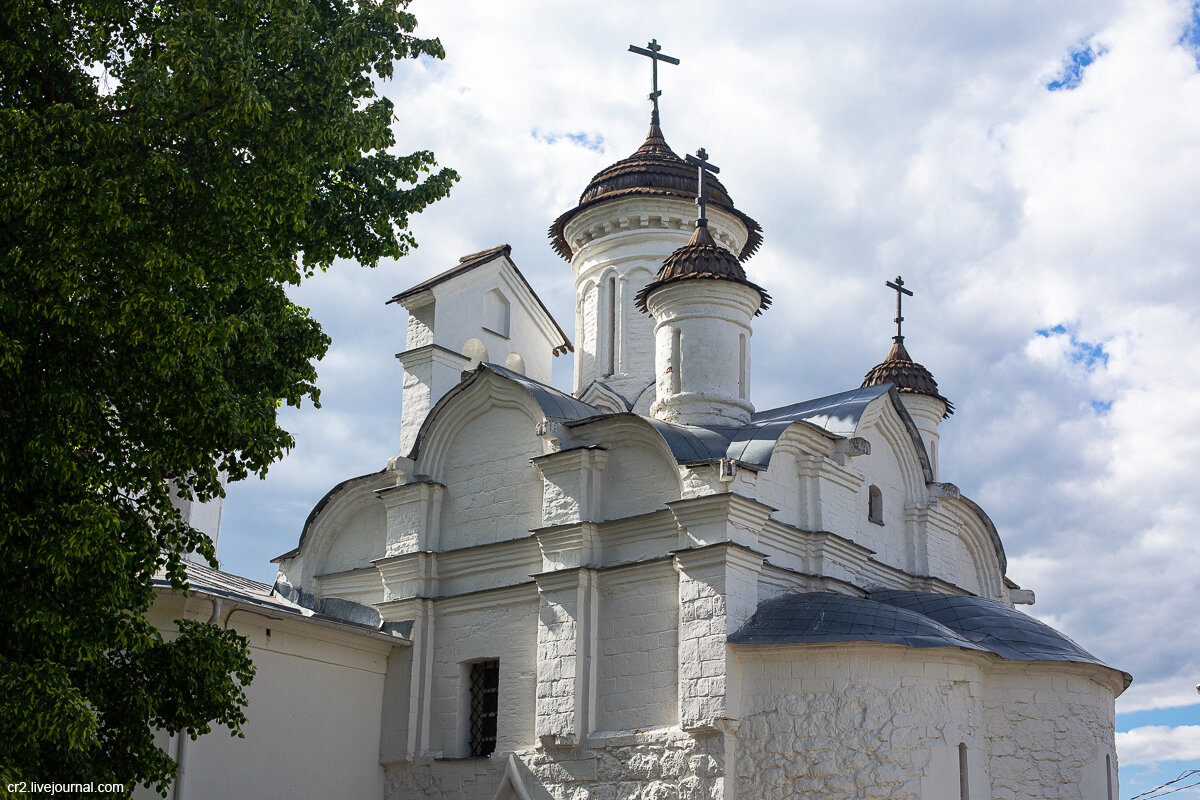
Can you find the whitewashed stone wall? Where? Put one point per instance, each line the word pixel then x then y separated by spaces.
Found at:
pixel 358 541
pixel 638 479
pixel 493 492
pixel 1050 728
pixel 881 721
pixel 851 721
pixel 638 647
pixel 470 629
pixel 651 765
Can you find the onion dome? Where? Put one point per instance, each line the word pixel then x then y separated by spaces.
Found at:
pixel 906 375
pixel 700 258
pixel 653 169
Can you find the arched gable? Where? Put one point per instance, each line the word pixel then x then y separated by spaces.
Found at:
pixel 792 480
pixel 977 537
pixel 478 442
pixel 641 473
pixel 345 530
pixel 886 422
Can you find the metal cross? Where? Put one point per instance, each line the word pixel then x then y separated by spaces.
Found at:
pixel 652 52
pixel 700 161
pixel 900 292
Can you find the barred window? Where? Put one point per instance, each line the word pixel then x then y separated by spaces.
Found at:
pixel 485 695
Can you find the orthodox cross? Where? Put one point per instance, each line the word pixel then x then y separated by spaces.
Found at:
pixel 900 292
pixel 700 161
pixel 652 52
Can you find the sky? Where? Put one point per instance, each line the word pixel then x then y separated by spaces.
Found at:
pixel 1031 169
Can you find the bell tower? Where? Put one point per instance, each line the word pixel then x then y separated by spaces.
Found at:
pixel 702 305
pixel 630 218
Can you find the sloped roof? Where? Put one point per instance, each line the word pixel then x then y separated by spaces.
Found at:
pixel 828 617
pixel 1003 630
pixel 836 415
pixel 914 619
pixel 203 579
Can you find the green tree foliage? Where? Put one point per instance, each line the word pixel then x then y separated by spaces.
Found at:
pixel 166 168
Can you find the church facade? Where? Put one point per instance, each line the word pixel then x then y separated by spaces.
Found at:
pixel 645 587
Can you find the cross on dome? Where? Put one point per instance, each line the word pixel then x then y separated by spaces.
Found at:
pixel 700 162
pixel 652 51
pixel 898 285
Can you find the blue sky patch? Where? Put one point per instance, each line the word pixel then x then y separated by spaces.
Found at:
pixel 1088 355
pixel 591 142
pixel 1102 407
pixel 1078 60
pixel 1190 38
pixel 1172 717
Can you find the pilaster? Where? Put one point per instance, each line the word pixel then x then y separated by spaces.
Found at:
pixel 724 517
pixel 429 372
pixel 571 485
pixel 573 545
pixel 413 516
pixel 828 492
pixel 566 688
pixel 718 593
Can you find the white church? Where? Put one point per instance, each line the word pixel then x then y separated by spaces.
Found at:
pixel 644 588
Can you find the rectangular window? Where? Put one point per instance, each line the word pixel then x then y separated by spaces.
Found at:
pixel 485 695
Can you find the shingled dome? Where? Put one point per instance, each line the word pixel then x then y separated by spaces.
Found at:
pixel 906 375
pixel 653 169
pixel 700 258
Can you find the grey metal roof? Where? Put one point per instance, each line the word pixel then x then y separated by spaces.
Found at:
pixel 837 413
pixel 752 444
pixel 206 580
pixel 829 617
pixel 554 404
pixel 1003 630
pixel 689 443
pixel 915 619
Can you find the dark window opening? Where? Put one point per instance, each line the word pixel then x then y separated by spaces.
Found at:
pixel 485 695
pixel 875 505
pixel 964 781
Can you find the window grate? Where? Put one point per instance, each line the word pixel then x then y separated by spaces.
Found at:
pixel 485 695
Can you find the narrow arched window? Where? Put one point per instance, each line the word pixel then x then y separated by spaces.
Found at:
pixel 875 505
pixel 610 325
pixel 675 367
pixel 964 782
pixel 1109 776
pixel 742 366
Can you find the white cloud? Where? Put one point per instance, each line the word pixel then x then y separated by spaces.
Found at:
pixel 1155 743
pixel 916 139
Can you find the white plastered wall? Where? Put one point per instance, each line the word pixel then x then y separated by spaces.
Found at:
pixel 488 313
pixel 301 740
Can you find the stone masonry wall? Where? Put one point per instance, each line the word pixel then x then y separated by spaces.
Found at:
pixel 1049 730
pixel 821 725
pixel 652 765
pixel 637 669
pixel 841 721
pixel 494 493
